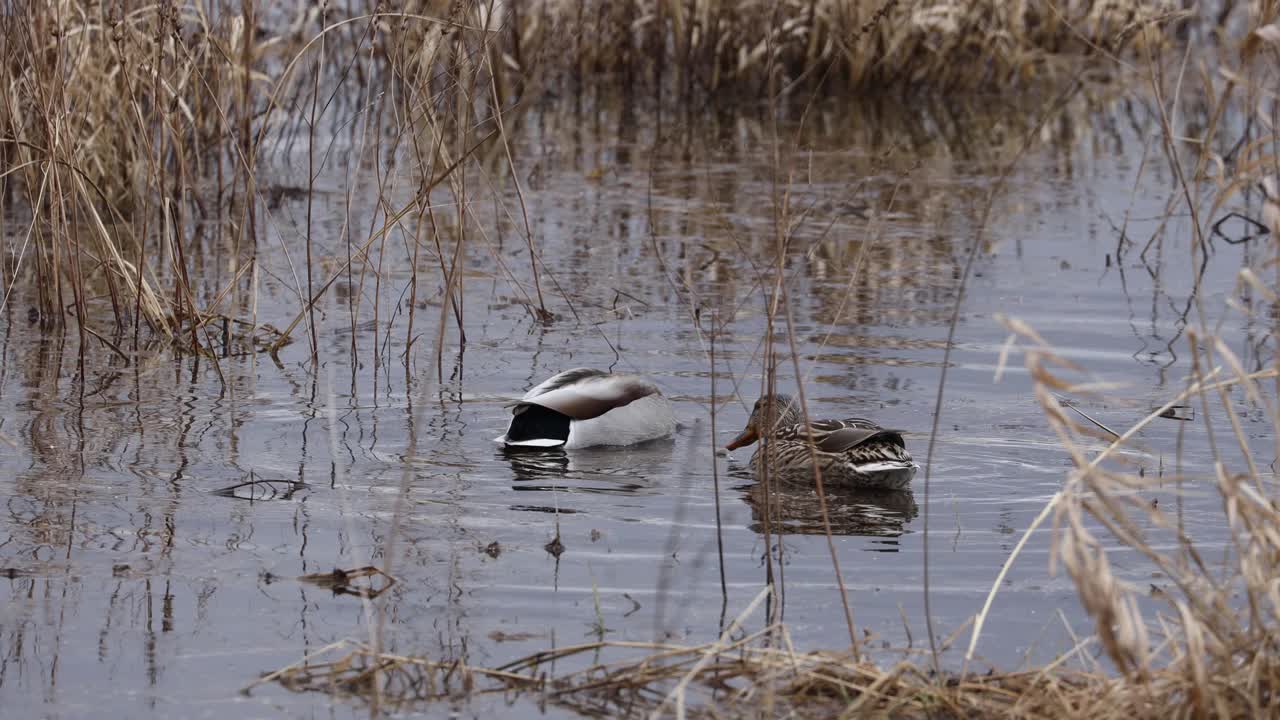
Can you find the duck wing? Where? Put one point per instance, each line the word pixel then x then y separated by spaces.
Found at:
pixel 836 436
pixel 584 393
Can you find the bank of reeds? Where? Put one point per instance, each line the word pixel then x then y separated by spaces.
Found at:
pixel 1209 650
pixel 142 148
pixel 700 48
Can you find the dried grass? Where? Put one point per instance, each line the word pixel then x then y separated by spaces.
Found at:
pixel 701 47
pixel 135 141
pixel 757 676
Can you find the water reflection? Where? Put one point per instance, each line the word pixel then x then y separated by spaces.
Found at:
pixel 797 511
pixel 536 464
pixel 633 470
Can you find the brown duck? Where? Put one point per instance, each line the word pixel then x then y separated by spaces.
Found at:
pixel 852 453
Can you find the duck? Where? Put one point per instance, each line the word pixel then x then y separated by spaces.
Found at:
pixel 584 407
pixel 854 453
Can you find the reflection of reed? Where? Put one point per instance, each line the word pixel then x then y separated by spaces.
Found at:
pixel 874 178
pixel 796 510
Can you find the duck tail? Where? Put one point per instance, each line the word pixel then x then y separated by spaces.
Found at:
pixel 880 466
pixel 890 474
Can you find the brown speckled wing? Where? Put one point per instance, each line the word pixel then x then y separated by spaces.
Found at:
pixel 835 436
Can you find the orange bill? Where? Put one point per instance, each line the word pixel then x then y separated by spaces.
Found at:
pixel 746 437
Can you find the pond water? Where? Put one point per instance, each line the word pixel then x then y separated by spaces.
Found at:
pixel 132 588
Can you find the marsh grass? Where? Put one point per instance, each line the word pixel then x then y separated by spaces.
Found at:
pixel 756 674
pixel 1213 644
pixel 137 144
pixel 702 48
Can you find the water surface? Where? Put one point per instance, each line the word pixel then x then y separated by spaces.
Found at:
pixel 133 589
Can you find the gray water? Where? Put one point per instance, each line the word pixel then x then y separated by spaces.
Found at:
pixel 133 589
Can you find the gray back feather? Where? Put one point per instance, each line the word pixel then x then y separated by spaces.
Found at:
pixel 583 393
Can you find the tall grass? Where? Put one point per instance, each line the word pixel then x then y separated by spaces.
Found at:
pixel 700 48
pixel 140 145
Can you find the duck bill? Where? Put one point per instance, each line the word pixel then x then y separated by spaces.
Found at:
pixel 746 437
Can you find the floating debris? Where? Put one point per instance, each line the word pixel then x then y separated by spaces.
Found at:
pixel 549 509
pixel 635 605
pixel 346 582
pixel 255 489
pixel 1184 413
pixel 500 636
pixel 555 547
pixel 1069 403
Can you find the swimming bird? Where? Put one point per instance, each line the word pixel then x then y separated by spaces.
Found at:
pixel 852 453
pixel 583 407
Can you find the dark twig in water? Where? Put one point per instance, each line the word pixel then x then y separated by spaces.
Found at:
pixel 347 582
pixel 715 469
pixel 1068 403
pixel 256 488
pixel 1178 412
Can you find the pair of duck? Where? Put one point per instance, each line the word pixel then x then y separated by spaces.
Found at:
pixel 584 408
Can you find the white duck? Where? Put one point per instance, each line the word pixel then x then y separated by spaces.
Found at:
pixel 583 407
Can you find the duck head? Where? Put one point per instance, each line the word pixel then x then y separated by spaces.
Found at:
pixel 783 408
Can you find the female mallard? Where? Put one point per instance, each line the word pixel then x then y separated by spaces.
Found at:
pixel 853 453
pixel 584 407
